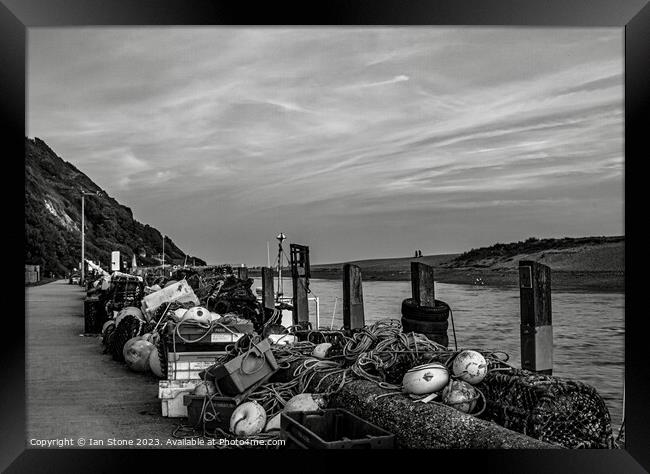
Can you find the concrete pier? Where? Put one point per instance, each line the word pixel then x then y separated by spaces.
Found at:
pixel 75 391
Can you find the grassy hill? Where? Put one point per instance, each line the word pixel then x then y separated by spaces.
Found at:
pixel 594 254
pixel 587 263
pixel 53 218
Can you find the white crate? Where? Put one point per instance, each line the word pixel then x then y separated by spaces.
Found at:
pixel 187 365
pixel 170 393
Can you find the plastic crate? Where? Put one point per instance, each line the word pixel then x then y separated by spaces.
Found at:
pixel 187 365
pixel 217 409
pixel 332 429
pixel 171 392
pixel 94 315
pixel 218 339
pixel 257 363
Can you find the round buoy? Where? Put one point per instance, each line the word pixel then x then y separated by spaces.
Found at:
pixel 305 402
pixel 460 395
pixel 248 419
pixel 427 378
pixel 198 314
pixel 470 366
pixel 136 354
pixel 320 351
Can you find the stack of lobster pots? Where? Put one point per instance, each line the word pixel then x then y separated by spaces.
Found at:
pixel 197 341
pixel 432 321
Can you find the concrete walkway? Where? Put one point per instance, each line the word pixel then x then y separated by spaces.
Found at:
pixel 75 391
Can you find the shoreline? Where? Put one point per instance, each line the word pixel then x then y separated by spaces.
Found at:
pixel 600 282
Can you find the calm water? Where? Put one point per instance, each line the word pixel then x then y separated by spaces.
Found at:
pixel 588 328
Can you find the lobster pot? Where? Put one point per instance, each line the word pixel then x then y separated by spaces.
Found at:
pixel 551 409
pixel 126 292
pixel 94 315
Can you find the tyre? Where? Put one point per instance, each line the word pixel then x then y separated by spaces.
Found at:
pixel 411 310
pixel 425 327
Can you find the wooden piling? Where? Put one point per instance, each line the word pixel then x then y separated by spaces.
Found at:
pixel 353 316
pixel 300 273
pixel 536 317
pixel 422 284
pixel 268 298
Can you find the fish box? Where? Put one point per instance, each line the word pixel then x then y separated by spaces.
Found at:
pixel 240 373
pixel 181 292
pixel 197 339
pixel 332 429
pixel 215 411
pixel 171 392
pixel 187 365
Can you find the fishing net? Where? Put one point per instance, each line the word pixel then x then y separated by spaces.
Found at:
pixel 235 296
pixel 129 327
pixel 551 409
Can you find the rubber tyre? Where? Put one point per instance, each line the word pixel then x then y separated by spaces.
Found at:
pixel 439 312
pixel 425 327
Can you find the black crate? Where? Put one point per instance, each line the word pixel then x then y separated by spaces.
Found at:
pixel 333 428
pixel 217 413
pixel 94 315
pixel 198 340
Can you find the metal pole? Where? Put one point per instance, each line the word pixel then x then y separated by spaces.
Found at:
pixel 163 260
pixel 83 238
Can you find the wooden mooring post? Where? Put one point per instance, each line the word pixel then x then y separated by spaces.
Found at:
pixel 422 284
pixel 268 298
pixel 353 316
pixel 536 321
pixel 300 273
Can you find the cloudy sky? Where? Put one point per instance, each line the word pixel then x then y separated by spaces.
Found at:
pixel 360 142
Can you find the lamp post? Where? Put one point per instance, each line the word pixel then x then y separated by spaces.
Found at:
pixel 281 237
pixel 82 280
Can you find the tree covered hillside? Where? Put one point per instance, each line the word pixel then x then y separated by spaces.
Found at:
pixel 53 219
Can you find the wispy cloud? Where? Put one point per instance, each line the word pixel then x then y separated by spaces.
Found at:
pixel 223 136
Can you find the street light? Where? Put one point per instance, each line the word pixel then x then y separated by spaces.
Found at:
pixel 82 280
pixel 281 237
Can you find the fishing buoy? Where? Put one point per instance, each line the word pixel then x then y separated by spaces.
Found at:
pixel 198 314
pixel 305 402
pixel 320 351
pixel 460 395
pixel 427 378
pixel 136 354
pixel 247 419
pixel 154 363
pixel 470 366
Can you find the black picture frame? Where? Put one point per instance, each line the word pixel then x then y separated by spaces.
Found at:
pixel 16 16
